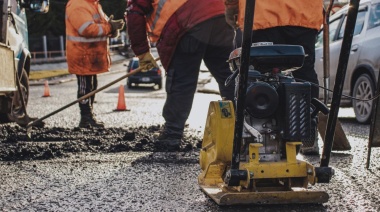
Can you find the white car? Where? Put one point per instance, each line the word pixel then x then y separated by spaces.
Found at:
pixel 364 60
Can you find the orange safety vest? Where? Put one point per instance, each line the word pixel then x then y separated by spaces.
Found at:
pixel 87 31
pixel 162 11
pixel 273 13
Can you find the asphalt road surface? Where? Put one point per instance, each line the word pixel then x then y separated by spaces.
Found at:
pixel 119 169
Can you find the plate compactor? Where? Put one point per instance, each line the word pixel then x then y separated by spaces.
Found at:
pixel 250 157
pixel 261 166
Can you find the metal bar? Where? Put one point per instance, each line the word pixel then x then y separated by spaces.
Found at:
pixel 339 81
pixel 368 155
pixel 326 52
pixel 4 10
pixel 373 130
pixel 116 45
pixel 243 76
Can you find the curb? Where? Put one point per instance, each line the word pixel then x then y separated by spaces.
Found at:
pixel 68 77
pixel 53 81
pixel 58 80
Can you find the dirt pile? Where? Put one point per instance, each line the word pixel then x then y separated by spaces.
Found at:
pixel 48 143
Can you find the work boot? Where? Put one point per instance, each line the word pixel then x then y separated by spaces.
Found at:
pixel 168 142
pixel 89 120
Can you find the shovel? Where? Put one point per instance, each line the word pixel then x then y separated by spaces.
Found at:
pixel 30 124
pixel 340 139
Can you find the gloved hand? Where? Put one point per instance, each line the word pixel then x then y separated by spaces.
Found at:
pixel 231 13
pixel 115 24
pixel 147 61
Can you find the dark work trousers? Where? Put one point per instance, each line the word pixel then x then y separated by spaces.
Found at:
pixel 212 41
pixel 294 36
pixel 86 84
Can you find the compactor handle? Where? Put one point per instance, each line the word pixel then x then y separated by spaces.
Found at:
pixel 231 77
pixel 319 106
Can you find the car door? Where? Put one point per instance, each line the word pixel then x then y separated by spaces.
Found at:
pixel 370 57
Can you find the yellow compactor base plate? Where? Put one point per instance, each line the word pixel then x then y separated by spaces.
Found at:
pixel 226 196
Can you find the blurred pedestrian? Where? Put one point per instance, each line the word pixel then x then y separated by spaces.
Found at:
pixel 88 30
pixel 185 32
pixel 295 22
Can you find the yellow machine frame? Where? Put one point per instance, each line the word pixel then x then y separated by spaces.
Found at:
pixel 279 182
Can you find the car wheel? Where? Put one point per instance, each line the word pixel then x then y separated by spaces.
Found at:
pixel 15 109
pixel 364 88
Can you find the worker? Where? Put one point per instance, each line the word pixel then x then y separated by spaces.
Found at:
pixel 88 30
pixel 184 32
pixel 294 22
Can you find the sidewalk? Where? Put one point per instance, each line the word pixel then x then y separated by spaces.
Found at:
pixel 58 73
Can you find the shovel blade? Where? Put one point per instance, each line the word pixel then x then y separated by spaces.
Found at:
pixel 341 142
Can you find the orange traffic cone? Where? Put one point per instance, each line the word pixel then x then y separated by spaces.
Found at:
pixel 121 106
pixel 46 89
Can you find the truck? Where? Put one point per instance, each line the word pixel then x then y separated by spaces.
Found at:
pixel 15 58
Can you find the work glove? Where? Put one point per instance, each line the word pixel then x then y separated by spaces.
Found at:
pixel 147 61
pixel 231 13
pixel 116 26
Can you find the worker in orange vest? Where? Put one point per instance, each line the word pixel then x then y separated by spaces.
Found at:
pixel 185 32
pixel 295 22
pixel 87 52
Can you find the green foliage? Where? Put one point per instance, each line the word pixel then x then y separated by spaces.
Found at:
pixel 53 22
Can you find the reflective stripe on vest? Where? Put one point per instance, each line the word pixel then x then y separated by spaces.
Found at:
pixel 162 11
pixel 88 23
pixel 84 26
pixel 86 40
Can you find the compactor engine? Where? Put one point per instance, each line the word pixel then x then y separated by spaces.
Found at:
pixel 277 109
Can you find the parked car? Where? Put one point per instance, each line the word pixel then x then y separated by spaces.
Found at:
pixel 153 76
pixel 364 61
